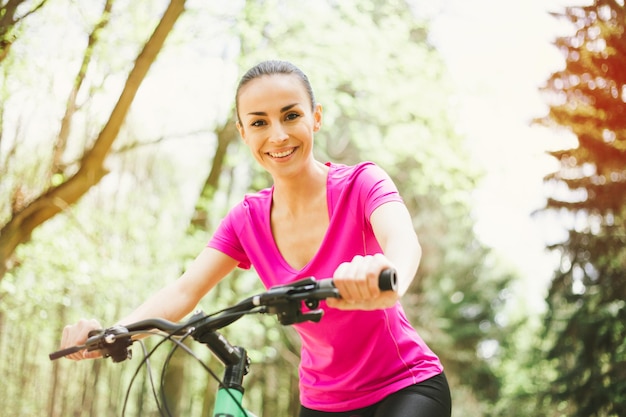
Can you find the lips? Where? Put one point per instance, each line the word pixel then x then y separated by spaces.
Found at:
pixel 282 154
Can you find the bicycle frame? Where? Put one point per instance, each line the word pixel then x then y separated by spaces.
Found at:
pixel 228 404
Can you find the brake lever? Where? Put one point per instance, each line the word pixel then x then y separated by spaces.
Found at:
pixel 308 290
pixel 113 342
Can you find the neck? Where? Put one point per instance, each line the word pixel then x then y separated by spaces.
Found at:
pixel 296 193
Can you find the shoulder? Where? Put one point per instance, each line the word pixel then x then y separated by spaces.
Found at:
pixel 258 197
pixel 251 203
pixel 340 172
pixel 361 186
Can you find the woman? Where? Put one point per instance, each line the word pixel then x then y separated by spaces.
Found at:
pixel 348 222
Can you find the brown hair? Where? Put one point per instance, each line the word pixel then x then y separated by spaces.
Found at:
pixel 273 67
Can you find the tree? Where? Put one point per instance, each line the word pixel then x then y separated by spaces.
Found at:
pixel 31 207
pixel 585 326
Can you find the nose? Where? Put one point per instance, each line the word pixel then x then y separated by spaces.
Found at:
pixel 278 133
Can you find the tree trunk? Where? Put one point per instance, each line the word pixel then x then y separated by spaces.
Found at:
pixel 226 134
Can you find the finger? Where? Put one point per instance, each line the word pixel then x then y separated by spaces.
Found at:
pixel 368 273
pixel 364 274
pixel 358 279
pixel 75 335
pixel 94 354
pixel 343 279
pixel 361 272
pixel 378 263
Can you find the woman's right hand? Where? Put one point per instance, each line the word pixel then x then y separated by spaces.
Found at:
pixel 77 334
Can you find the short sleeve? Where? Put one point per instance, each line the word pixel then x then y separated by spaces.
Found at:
pixel 226 239
pixel 377 188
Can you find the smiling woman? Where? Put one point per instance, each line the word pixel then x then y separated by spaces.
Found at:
pixel 321 220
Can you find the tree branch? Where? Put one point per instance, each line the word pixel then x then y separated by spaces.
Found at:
pixel 71 106
pixel 19 229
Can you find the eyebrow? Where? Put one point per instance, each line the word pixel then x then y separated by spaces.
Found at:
pixel 282 110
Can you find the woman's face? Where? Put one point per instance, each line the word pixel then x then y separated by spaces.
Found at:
pixel 277 123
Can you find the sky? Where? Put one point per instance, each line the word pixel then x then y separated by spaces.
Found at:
pixel 499 52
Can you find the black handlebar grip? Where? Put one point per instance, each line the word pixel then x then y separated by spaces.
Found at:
pixel 388 280
pixel 64 352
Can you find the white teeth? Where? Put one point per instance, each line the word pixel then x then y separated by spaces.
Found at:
pixel 281 154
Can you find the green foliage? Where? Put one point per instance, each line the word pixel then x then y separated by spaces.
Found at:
pixel 585 321
pixel 99 259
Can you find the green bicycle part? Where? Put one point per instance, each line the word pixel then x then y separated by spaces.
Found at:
pixel 229 405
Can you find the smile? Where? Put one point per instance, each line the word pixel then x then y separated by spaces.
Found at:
pixel 282 154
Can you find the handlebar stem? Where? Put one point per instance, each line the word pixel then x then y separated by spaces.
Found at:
pixel 225 352
pixel 234 358
pixel 233 374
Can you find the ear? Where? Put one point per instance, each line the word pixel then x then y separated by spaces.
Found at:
pixel 241 131
pixel 317 117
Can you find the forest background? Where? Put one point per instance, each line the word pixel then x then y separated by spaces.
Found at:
pixel 118 156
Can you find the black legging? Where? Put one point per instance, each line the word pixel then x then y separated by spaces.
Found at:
pixel 430 398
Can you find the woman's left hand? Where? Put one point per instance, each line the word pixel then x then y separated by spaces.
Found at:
pixel 357 282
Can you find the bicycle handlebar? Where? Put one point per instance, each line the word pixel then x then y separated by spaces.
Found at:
pixel 285 301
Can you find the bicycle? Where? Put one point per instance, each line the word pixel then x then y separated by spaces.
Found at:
pixel 287 302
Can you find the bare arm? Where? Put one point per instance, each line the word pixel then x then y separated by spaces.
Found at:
pixel 171 302
pixel 357 280
pixel 394 231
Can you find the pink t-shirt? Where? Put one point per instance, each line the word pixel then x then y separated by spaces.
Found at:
pixel 350 359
